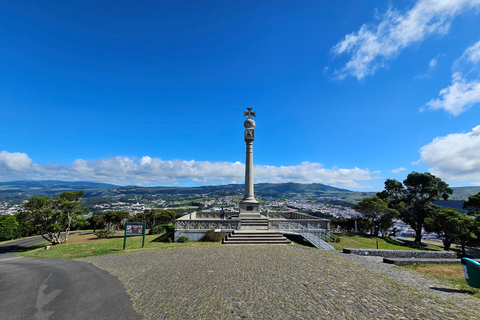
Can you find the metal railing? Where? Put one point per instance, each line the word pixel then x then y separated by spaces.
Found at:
pixel 320 238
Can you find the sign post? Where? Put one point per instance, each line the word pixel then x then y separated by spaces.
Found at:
pixel 134 229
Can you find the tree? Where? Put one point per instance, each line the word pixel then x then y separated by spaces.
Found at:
pixel 8 227
pixel 68 203
pixel 348 224
pixel 52 217
pixel 473 204
pixel 466 231
pixel 414 199
pixel 445 222
pixel 96 222
pixel 155 217
pixel 113 220
pixel 372 208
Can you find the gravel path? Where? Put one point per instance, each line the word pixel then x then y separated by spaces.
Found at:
pixel 276 282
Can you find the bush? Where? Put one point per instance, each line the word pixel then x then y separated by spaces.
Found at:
pixel 163 228
pixel 338 238
pixel 212 236
pixel 102 234
pixel 183 239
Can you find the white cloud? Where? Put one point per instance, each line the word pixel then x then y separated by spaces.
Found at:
pixel 455 157
pixel 155 171
pixel 14 161
pixel 460 96
pixel 464 91
pixel 373 45
pixel 398 170
pixel 432 63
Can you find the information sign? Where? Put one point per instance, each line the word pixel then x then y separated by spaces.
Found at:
pixel 134 229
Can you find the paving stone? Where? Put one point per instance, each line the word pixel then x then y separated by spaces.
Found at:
pixel 278 282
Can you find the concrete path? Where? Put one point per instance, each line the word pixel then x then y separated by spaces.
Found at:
pixel 44 289
pixel 274 282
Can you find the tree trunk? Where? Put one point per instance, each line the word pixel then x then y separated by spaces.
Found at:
pixel 418 235
pixel 447 242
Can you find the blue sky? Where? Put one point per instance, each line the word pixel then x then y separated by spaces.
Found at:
pixel 346 93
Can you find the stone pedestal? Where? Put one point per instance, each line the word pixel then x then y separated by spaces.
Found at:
pixel 249 209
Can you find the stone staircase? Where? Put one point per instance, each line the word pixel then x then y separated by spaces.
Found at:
pixel 255 237
pixel 254 224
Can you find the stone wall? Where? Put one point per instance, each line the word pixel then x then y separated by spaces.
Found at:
pixel 403 253
pixel 306 223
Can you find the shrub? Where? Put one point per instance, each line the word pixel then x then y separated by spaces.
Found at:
pixel 102 234
pixel 183 239
pixel 338 238
pixel 212 236
pixel 163 228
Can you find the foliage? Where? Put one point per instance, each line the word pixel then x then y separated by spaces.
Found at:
pixel 81 223
pixel 105 233
pixel 167 232
pixel 96 222
pixel 8 227
pixel 348 224
pixel 164 228
pixel 50 217
pixel 183 239
pixel 414 198
pixel 212 236
pixel 376 210
pixel 155 217
pixel 446 223
pixel 115 220
pixel 473 204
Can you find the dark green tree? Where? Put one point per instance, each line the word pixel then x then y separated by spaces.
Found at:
pixel 8 227
pixel 372 208
pixel 96 222
pixel 446 223
pixel 69 205
pixel 155 217
pixel 52 217
pixel 421 189
pixel 473 204
pixel 115 220
pixel 414 198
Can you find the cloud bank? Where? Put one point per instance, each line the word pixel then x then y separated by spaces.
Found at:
pixel 155 171
pixel 454 157
pixel 464 91
pixel 373 45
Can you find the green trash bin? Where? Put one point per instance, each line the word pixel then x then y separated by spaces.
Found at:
pixel 471 269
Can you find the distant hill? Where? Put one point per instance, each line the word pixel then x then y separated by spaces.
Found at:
pixel 26 189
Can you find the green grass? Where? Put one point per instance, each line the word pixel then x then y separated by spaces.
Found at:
pixel 448 274
pixel 87 245
pixel 359 241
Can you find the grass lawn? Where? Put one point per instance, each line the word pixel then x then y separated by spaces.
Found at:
pixel 83 245
pixel 448 274
pixel 363 241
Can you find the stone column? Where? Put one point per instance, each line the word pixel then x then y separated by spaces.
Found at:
pixel 248 205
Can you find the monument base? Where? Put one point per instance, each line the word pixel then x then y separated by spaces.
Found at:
pixel 249 210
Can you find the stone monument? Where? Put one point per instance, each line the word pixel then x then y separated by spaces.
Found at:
pixel 248 205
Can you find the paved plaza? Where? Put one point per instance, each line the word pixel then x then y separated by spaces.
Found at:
pixel 278 282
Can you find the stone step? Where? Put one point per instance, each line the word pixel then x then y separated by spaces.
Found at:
pixel 255 237
pixel 411 261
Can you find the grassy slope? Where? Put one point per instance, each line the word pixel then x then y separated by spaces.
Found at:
pixel 87 245
pixel 447 274
pixel 348 240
